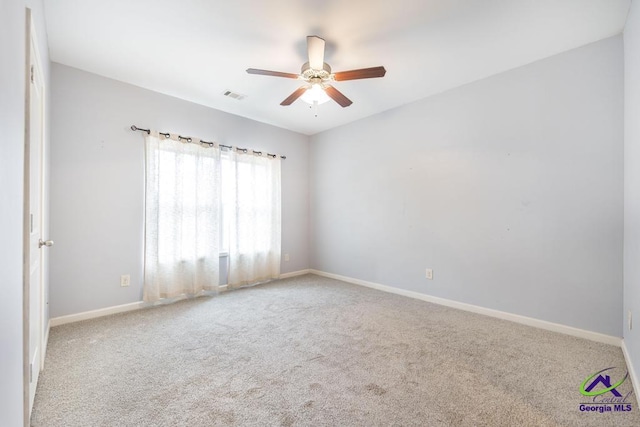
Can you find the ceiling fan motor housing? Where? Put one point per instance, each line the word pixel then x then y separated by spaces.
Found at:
pixel 309 73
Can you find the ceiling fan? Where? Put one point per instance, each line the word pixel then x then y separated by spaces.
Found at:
pixel 317 75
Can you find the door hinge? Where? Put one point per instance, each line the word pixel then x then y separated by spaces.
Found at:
pixel 31 223
pixel 32 74
pixel 30 372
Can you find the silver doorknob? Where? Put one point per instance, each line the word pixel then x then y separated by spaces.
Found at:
pixel 47 243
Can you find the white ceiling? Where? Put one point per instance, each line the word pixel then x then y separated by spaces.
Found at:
pixel 197 49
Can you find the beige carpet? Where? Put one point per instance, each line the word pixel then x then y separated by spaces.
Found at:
pixel 311 351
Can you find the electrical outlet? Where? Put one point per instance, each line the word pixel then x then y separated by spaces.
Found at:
pixel 125 280
pixel 429 274
pixel 629 319
pixel 286 257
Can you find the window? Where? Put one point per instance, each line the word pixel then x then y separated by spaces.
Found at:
pixel 226 166
pixel 201 202
pixel 182 189
pixel 181 218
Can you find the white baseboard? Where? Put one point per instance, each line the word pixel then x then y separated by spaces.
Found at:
pixel 294 273
pixel 62 320
pixel 529 321
pixel 57 321
pixel 632 373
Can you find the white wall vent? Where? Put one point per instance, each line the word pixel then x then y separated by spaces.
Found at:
pixel 234 95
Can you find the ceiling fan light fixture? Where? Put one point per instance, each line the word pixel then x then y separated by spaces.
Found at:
pixel 318 77
pixel 315 95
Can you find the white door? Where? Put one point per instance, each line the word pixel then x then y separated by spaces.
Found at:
pixel 34 203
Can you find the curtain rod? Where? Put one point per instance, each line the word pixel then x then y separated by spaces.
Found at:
pixel 211 144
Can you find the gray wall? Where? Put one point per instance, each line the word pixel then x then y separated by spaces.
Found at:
pixel 98 182
pixel 12 84
pixel 510 188
pixel 632 182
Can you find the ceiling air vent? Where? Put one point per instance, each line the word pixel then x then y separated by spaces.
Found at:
pixel 234 95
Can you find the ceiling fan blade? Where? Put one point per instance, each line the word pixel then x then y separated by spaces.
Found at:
pixel 363 73
pixel 337 96
pixel 271 73
pixel 315 48
pixel 295 95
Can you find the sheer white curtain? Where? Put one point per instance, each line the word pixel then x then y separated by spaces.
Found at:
pixel 182 218
pixel 253 204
